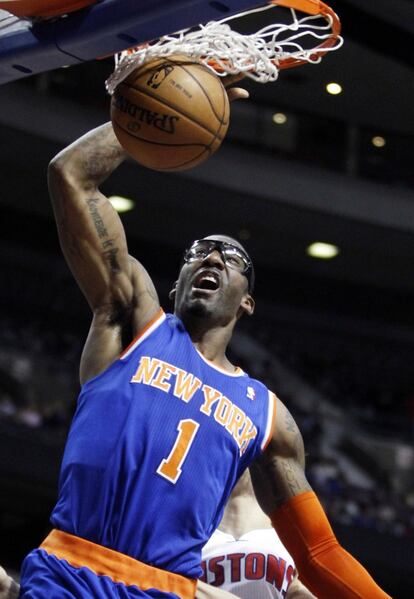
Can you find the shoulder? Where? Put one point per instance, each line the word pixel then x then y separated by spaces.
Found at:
pixel 286 439
pixel 255 390
pixel 145 304
pixel 279 474
pixel 282 435
pixel 256 383
pixel 163 329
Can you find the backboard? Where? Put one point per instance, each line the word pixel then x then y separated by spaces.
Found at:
pixel 109 26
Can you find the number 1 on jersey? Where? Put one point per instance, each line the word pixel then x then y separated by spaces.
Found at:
pixel 170 468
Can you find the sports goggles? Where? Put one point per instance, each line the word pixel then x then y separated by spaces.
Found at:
pixel 233 256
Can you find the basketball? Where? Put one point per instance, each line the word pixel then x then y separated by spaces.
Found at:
pixel 170 114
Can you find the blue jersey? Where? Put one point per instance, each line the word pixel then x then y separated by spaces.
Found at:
pixel 157 443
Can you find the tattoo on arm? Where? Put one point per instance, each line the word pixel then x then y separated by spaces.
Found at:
pixel 292 468
pixel 110 252
pixel 294 477
pixel 296 440
pixel 279 474
pixel 110 255
pixel 96 217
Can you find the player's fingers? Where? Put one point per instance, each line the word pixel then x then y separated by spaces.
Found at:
pixel 237 93
pixel 229 80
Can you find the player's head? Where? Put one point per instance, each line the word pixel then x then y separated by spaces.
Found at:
pixel 216 279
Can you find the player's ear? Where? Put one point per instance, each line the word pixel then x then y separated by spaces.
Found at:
pixel 247 305
pixel 171 295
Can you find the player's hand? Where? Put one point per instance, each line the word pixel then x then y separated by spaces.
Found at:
pixel 235 93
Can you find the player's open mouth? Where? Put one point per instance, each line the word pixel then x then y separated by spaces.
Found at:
pixel 207 280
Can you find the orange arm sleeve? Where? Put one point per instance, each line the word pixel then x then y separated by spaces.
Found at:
pixel 323 565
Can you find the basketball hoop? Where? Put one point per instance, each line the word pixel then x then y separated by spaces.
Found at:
pixel 260 56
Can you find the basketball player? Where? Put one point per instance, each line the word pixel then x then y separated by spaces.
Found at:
pixel 245 556
pixel 165 423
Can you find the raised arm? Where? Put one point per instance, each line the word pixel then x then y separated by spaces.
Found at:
pixel 116 286
pixel 285 495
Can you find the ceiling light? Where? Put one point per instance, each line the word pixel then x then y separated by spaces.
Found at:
pixel 321 250
pixel 334 88
pixel 279 118
pixel 121 204
pixel 378 141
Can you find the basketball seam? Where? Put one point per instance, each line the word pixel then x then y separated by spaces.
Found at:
pixel 168 60
pixel 216 136
pixel 175 107
pixel 220 119
pixel 171 169
pixel 177 166
pixel 225 105
pixel 160 143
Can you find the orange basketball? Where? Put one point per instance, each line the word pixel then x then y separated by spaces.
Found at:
pixel 170 114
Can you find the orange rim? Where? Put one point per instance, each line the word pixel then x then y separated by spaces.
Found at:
pixel 310 7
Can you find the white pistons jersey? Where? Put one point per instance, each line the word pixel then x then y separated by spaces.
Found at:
pixel 254 566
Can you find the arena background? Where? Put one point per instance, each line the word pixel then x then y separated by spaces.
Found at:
pixel 335 338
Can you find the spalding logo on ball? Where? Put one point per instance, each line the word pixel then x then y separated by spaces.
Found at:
pixel 159 75
pixel 170 114
pixel 142 117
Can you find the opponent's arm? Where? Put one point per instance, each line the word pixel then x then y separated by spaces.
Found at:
pixel 9 589
pixel 285 495
pixel 117 287
pixel 297 590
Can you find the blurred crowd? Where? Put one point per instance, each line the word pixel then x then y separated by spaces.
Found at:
pixel 371 375
pixel 38 374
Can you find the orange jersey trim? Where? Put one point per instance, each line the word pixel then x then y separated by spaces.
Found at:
pixel 118 566
pixel 237 371
pixel 141 334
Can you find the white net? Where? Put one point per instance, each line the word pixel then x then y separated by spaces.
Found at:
pixel 227 52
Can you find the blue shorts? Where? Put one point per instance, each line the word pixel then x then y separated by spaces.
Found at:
pixel 55 571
